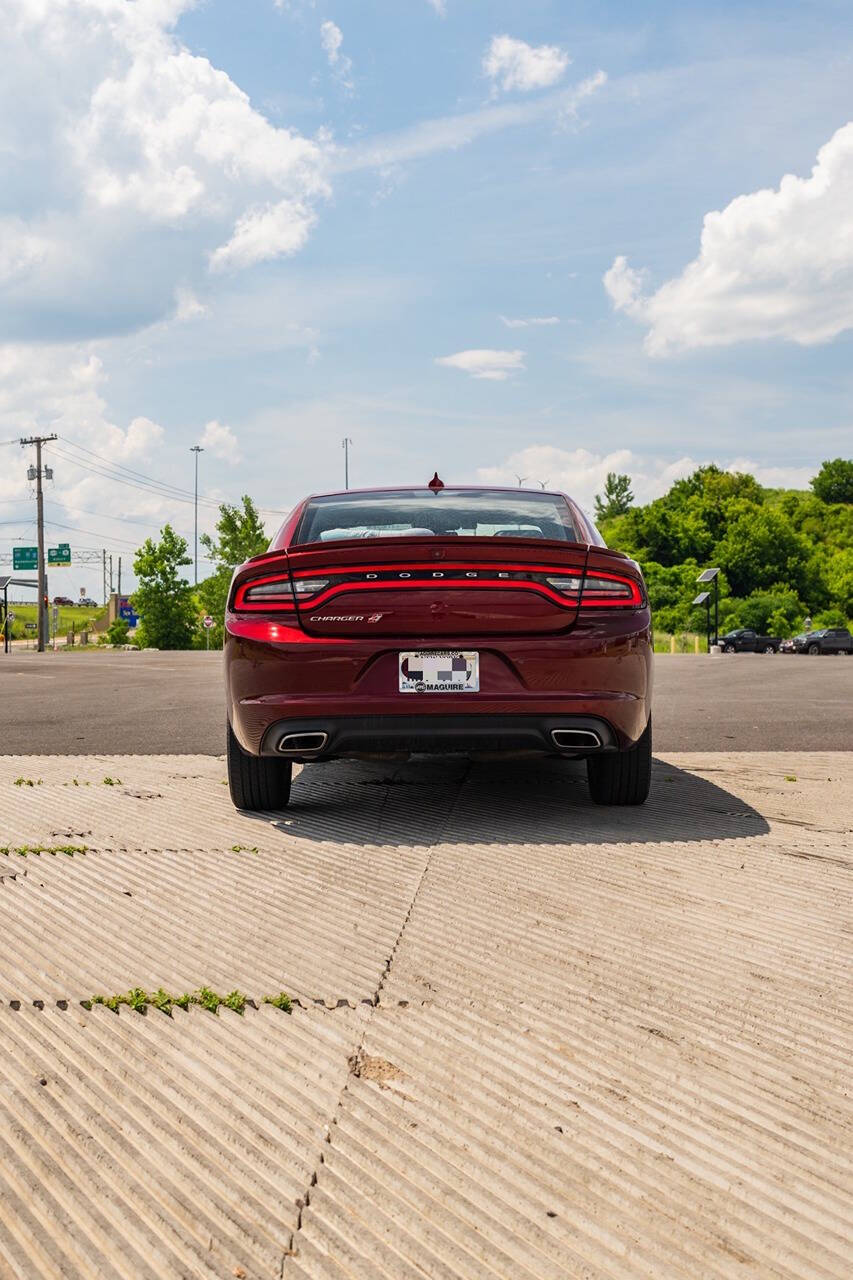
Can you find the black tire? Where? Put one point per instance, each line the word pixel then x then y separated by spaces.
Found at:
pixel 257 783
pixel 728 648
pixel 813 649
pixel 623 777
pixel 768 648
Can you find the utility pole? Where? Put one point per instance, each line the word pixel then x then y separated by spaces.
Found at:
pixel 111 573
pixel 119 583
pixel 36 473
pixel 104 572
pixel 345 444
pixel 196 449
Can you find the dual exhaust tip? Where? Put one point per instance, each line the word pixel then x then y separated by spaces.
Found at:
pixel 302 744
pixel 313 742
pixel 572 739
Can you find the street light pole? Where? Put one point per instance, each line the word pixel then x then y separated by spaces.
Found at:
pixel 196 449
pixel 345 444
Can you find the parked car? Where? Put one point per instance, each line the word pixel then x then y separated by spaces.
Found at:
pixel 827 640
pixel 744 640
pixel 62 600
pixel 438 620
pixel 87 602
pixel 790 646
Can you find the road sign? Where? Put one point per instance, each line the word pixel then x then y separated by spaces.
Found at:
pixel 25 557
pixel 31 626
pixel 60 554
pixel 127 611
pixel 207 621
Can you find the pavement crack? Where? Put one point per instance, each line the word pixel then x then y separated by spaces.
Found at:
pixel 360 1064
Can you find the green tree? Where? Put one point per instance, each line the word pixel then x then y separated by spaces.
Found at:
pixel 834 481
pixel 240 535
pixel 617 497
pixel 118 631
pixel 164 599
pixel 761 548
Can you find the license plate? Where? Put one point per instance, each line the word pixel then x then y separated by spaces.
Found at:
pixel 440 671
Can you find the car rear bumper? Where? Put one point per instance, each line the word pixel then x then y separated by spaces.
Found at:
pixel 348 690
pixel 327 737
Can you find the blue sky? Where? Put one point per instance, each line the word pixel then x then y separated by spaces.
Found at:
pixel 264 226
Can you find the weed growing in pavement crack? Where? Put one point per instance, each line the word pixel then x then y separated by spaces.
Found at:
pixel 281 1001
pixel 139 1000
pixel 244 848
pixel 28 782
pixel 112 782
pixel 23 850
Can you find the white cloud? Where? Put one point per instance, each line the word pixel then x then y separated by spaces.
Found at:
pixel 514 64
pixel 58 388
pixel 529 322
pixel 331 38
pixel 267 231
pixel 149 158
pixel 20 249
pixel 187 305
pixel 776 263
pixel 581 472
pixel 448 133
pixel 493 365
pixel 440 7
pixel 221 441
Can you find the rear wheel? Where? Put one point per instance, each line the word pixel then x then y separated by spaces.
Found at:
pixel 257 782
pixel 622 778
pixel 768 648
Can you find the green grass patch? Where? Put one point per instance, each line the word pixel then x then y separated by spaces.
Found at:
pixel 685 642
pixel 70 618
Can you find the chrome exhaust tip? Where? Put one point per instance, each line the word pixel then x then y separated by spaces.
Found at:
pixel 302 744
pixel 575 738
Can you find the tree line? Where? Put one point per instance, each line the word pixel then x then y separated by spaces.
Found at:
pixel 784 554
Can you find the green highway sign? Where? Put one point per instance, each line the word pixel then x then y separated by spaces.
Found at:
pixel 60 554
pixel 25 557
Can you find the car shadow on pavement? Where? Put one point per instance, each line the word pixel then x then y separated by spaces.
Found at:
pixel 429 800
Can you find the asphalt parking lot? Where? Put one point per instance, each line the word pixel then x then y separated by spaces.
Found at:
pixel 148 703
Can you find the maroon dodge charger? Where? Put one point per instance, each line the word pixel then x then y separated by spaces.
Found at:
pixel 389 621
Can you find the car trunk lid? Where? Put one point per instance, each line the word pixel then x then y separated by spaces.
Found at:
pixel 431 587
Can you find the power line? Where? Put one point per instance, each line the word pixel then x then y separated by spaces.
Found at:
pixel 164 487
pixel 116 478
pixel 139 475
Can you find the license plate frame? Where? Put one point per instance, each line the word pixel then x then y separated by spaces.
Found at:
pixel 462 671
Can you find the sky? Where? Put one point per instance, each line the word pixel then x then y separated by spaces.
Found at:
pixel 506 241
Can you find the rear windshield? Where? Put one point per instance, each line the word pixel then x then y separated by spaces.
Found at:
pixel 480 513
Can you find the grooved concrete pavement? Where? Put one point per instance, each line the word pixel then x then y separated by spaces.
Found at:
pixel 532 1038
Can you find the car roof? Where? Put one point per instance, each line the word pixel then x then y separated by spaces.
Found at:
pixel 447 488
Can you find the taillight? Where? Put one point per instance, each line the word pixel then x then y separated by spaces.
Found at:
pixel 600 590
pixel 277 592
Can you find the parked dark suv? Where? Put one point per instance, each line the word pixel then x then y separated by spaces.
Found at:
pixel 827 640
